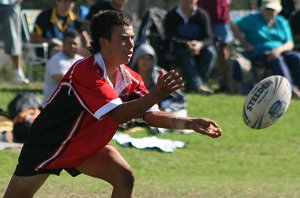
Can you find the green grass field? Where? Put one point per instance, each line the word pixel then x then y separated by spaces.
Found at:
pixel 242 163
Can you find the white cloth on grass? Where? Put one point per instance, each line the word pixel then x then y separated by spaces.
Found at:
pixel 153 142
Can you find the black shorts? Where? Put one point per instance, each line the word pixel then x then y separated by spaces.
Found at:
pixel 23 171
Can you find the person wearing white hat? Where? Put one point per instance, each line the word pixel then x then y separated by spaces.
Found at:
pixel 289 7
pixel 271 4
pixel 267 38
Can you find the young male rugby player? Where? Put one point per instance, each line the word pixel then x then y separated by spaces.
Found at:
pixel 95 96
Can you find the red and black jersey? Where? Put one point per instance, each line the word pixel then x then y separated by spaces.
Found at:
pixel 73 125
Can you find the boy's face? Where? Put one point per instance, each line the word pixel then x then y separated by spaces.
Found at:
pixel 120 47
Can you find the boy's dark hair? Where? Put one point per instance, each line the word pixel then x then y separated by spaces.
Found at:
pixel 71 34
pixel 102 24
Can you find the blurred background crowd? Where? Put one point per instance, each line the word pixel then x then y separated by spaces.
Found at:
pixel 217 45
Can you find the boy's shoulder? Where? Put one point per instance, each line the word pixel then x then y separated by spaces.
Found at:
pixel 85 67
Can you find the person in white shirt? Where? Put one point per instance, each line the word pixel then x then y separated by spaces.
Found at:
pixel 60 63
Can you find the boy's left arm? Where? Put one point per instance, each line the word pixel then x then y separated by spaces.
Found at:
pixel 203 126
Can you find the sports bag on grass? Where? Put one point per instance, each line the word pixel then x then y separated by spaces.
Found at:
pixel 239 78
pixel 23 110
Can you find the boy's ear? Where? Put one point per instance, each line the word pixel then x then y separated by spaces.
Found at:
pixel 103 42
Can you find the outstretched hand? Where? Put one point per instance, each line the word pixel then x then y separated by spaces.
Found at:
pixel 205 126
pixel 168 82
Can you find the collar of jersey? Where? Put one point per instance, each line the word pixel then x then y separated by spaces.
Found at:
pixel 122 79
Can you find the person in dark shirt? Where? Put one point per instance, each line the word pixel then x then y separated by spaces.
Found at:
pixel 188 27
pixel 295 26
pixel 51 24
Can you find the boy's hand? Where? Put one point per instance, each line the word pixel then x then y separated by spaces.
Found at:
pixel 205 126
pixel 168 82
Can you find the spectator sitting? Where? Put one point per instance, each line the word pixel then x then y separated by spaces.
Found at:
pixel 51 24
pixel 269 40
pixel 144 63
pixel 188 27
pixel 218 11
pixel 60 63
pixel 10 26
pixel 288 7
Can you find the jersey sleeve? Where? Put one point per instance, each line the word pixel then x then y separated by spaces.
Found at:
pixel 93 92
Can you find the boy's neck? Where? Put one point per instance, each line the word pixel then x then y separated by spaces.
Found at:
pixel 111 71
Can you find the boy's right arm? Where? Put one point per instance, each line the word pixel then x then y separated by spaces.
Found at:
pixel 166 83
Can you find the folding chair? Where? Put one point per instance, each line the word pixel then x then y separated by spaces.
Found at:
pixel 28 17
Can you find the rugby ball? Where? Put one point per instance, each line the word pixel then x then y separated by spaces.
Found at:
pixel 267 102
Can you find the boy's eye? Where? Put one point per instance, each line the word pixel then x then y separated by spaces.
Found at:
pixel 123 38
